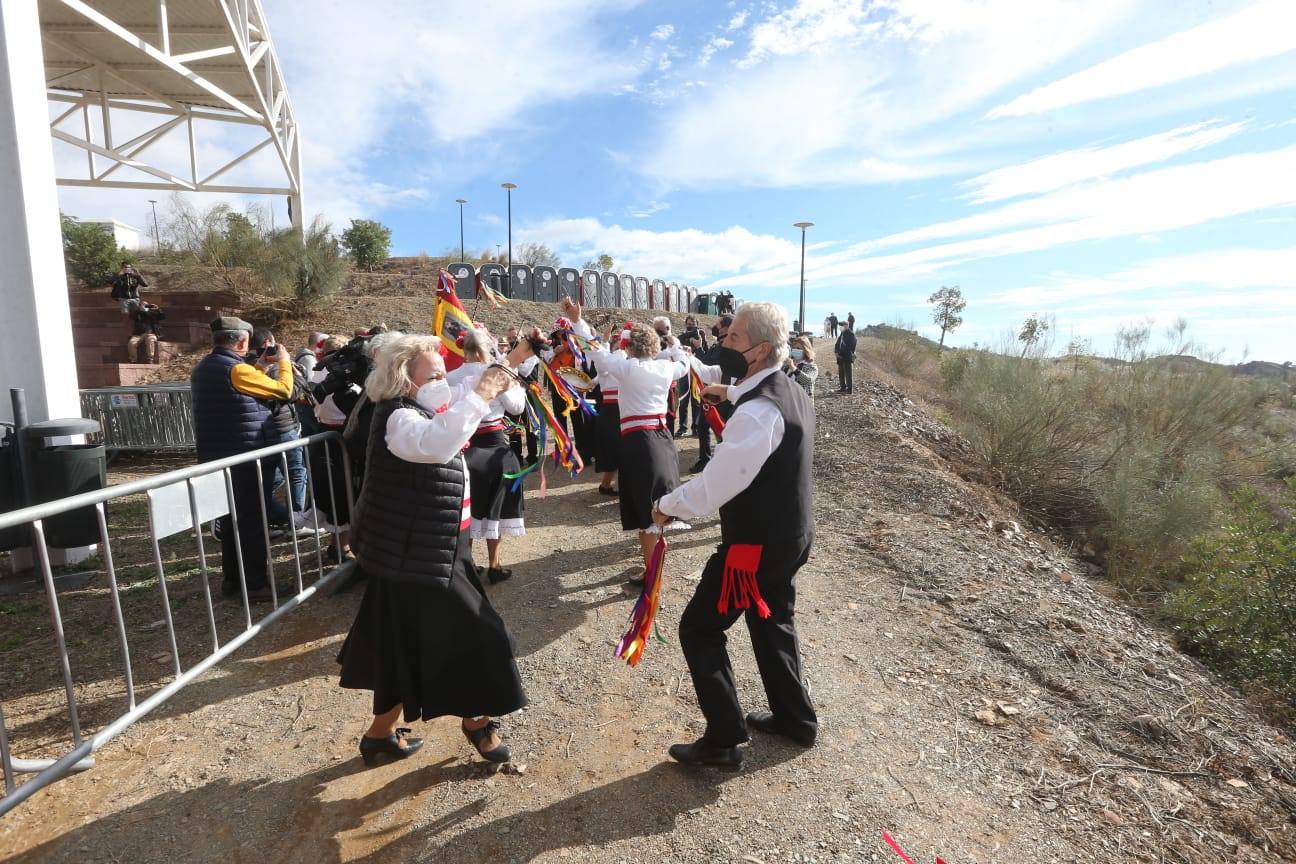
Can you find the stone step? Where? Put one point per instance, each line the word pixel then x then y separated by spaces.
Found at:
pixel 99 353
pixel 103 299
pixel 113 374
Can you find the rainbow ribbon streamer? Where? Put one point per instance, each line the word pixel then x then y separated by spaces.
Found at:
pixel 644 614
pixel 567 394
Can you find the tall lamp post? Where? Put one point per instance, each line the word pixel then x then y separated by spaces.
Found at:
pixel 509 187
pixel 803 226
pixel 157 238
pixel 461 202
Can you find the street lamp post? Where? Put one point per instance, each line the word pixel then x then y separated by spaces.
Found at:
pixel 157 238
pixel 803 226
pixel 461 202
pixel 509 187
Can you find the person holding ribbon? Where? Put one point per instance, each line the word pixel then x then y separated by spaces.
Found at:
pixel 497 500
pixel 648 460
pixel 760 480
pixel 608 423
pixel 426 639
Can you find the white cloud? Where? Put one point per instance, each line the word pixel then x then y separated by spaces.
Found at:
pixel 738 21
pixel 663 32
pixel 1072 166
pixel 1227 271
pixel 841 92
pixel 1265 29
pixel 652 209
pixel 716 43
pixel 688 254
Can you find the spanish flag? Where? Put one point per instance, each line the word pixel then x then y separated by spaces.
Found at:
pixel 450 321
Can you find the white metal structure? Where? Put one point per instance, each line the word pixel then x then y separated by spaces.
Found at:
pixel 166 64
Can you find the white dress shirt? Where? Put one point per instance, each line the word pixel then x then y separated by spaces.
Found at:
pixel 644 386
pixel 608 380
pixel 511 401
pixel 439 439
pixel 751 435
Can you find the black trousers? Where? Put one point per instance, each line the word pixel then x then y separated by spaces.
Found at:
pixel 515 439
pixel 251 533
pixel 846 371
pixel 686 404
pixel 774 642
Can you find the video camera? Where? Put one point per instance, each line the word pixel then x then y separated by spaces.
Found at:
pixel 346 366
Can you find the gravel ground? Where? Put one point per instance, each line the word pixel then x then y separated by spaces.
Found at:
pixel 982 700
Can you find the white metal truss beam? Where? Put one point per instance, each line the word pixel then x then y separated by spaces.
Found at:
pixel 133 77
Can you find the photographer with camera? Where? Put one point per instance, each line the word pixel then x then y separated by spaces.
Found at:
pixel 264 354
pixel 344 370
pixel 693 338
pixel 146 330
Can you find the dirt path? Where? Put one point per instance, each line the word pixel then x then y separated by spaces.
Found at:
pixel 970 703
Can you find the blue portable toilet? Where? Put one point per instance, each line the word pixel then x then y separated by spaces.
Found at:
pixel 569 283
pixel 521 286
pixel 465 280
pixel 544 284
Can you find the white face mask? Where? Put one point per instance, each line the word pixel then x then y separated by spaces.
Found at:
pixel 796 353
pixel 434 395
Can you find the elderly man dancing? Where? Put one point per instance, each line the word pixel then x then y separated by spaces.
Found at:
pixel 760 481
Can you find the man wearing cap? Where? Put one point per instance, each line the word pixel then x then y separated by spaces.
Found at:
pixel 232 415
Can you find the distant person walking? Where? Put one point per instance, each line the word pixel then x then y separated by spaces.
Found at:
pixel 845 350
pixel 850 322
pixel 830 327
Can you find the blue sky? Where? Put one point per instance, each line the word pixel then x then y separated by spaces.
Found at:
pixel 1101 161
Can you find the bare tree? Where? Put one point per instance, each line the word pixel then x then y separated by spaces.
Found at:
pixel 537 255
pixel 948 303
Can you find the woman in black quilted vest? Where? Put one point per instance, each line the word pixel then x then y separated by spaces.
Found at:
pixel 426 640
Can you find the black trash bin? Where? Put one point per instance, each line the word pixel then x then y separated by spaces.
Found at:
pixel 60 470
pixel 10 494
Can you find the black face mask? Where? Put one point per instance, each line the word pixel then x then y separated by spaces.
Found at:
pixel 733 363
pixel 715 330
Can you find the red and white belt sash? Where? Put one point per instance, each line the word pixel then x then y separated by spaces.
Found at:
pixel 642 423
pixel 610 397
pixel 491 426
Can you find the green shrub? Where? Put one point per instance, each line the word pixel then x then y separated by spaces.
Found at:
pixel 368 242
pixel 90 253
pixel 307 268
pixel 1237 607
pixel 953 368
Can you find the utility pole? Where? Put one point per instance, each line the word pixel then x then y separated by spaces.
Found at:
pixel 801 323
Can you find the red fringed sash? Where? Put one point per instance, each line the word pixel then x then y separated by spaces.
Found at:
pixel 739 587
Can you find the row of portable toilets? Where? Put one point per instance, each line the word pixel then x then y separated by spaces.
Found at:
pixel 587 287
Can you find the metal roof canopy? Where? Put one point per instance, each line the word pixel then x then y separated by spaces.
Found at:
pixel 173 62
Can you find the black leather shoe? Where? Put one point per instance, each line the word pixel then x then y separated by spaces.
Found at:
pixel 372 748
pixel 702 753
pixel 498 574
pixel 764 721
pixel 477 737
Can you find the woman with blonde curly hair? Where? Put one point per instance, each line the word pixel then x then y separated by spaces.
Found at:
pixel 426 640
pixel 648 460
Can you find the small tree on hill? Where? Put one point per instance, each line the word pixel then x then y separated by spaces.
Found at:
pixel 948 303
pixel 537 255
pixel 90 253
pixel 367 242
pixel 1077 349
pixel 602 263
pixel 1032 332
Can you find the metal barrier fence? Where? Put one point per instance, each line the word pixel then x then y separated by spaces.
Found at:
pixel 153 417
pixel 178 501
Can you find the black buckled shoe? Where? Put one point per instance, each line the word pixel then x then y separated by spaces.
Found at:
pixel 765 721
pixel 495 575
pixel 476 737
pixel 701 752
pixel 372 748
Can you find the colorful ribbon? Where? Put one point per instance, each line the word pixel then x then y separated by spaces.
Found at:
pixel 710 413
pixel 644 614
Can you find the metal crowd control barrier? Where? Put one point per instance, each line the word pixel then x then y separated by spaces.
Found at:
pixel 155 417
pixel 178 501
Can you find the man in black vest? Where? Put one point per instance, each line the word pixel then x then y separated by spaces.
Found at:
pixel 760 480
pixel 845 351
pixel 231 405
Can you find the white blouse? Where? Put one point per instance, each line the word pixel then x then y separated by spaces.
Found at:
pixel 511 401
pixel 644 386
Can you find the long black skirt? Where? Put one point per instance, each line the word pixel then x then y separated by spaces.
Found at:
pixel 649 469
pixel 436 650
pixel 496 507
pixel 608 426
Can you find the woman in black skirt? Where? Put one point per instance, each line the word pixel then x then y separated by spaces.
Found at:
pixel 496 505
pixel 608 422
pixel 647 459
pixel 426 640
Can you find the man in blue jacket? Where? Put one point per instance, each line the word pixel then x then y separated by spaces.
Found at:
pixel 232 415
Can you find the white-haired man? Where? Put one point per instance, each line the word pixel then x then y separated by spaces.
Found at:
pixel 760 480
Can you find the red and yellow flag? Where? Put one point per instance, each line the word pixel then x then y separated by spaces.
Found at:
pixel 450 321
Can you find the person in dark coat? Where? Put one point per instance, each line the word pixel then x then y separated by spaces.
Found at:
pixel 426 639
pixel 845 351
pixel 720 331
pixel 760 481
pixel 231 411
